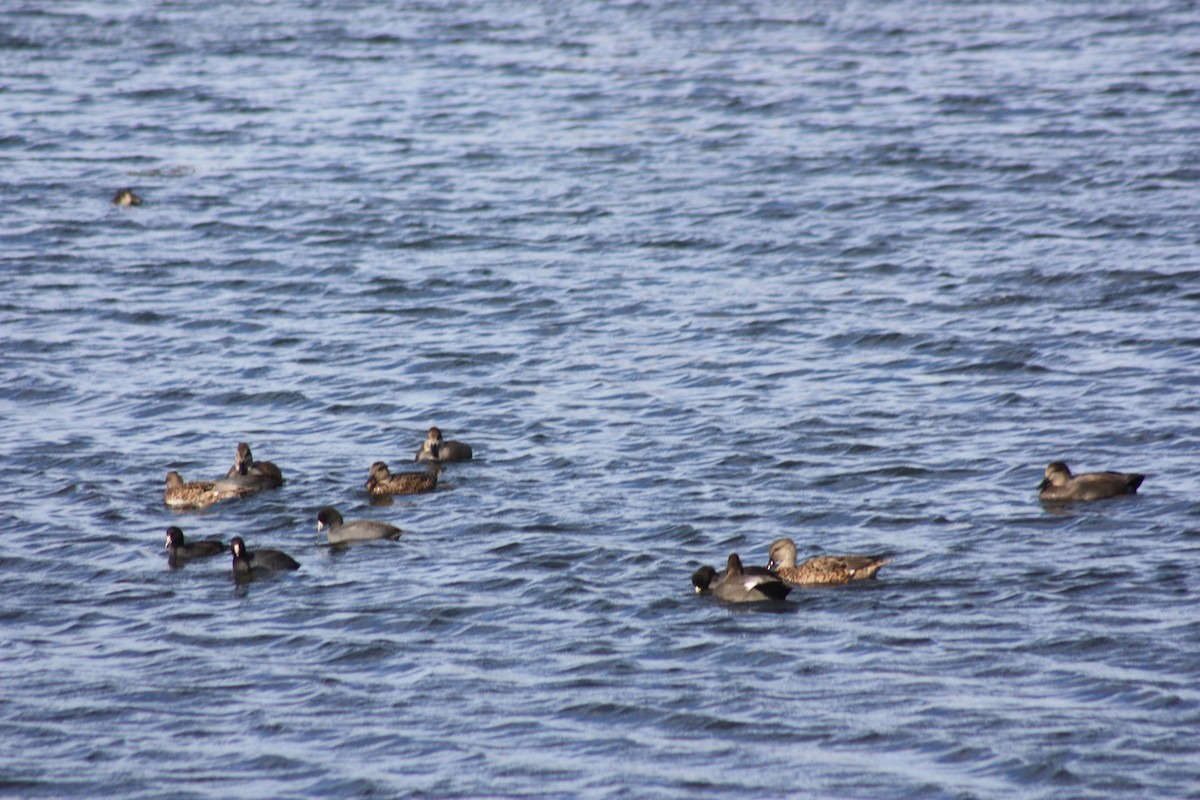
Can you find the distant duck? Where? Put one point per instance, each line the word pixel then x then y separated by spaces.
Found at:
pixel 435 448
pixel 821 570
pixel 256 474
pixel 738 586
pixel 199 494
pixel 180 552
pixel 247 563
pixel 329 519
pixel 1059 485
pixel 126 197
pixel 382 481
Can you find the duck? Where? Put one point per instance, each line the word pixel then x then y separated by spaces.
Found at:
pixel 382 481
pixel 435 448
pixel 257 474
pixel 246 562
pixel 329 519
pixel 821 570
pixel 180 552
pixel 199 494
pixel 704 578
pixel 1059 485
pixel 738 586
pixel 126 197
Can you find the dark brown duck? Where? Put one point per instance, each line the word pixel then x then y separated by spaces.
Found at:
pixel 1059 485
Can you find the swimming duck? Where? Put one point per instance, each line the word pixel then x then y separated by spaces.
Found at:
pixel 246 562
pixel 738 586
pixel 704 578
pixel 126 197
pixel 199 494
pixel 180 552
pixel 435 448
pixel 329 519
pixel 257 474
pixel 827 570
pixel 1060 485
pixel 382 481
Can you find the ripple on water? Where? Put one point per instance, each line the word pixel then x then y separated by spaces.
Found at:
pixel 688 281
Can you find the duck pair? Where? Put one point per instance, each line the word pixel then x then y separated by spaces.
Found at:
pixel 738 584
pixel 245 562
pixel 246 477
pixel 435 451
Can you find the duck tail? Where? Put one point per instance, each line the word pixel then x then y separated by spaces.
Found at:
pixel 866 571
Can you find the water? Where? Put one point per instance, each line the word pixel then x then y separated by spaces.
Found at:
pixel 688 277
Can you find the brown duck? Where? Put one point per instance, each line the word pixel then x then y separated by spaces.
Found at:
pixel 436 448
pixel 254 474
pixel 199 494
pixel 126 197
pixel 1059 485
pixel 382 481
pixel 821 570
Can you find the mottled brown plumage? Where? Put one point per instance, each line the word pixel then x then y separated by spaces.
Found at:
pixel 199 494
pixel 1059 485
pixel 382 481
pixel 823 570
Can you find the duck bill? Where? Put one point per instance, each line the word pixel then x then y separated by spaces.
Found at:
pixel 772 564
pixel 1044 485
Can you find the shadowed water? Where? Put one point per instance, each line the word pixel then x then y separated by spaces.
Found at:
pixel 688 277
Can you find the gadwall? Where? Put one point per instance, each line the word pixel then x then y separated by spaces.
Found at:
pixel 126 197
pixel 199 494
pixel 246 562
pixel 1059 485
pixel 828 570
pixel 706 577
pixel 329 519
pixel 382 481
pixel 256 474
pixel 737 586
pixel 435 448
pixel 179 552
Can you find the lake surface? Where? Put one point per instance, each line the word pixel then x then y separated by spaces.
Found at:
pixel 689 277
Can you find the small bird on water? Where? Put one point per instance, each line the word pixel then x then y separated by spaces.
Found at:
pixel 821 570
pixel 1060 485
pixel 437 448
pixel 179 551
pixel 736 585
pixel 126 197
pixel 382 481
pixel 247 562
pixel 253 474
pixel 338 531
